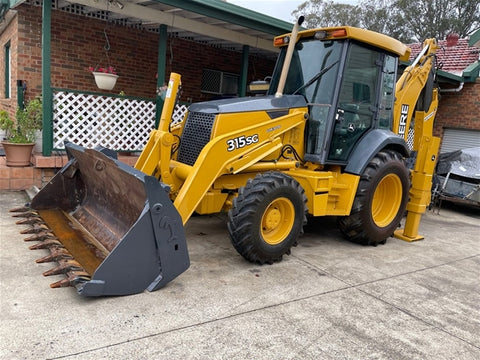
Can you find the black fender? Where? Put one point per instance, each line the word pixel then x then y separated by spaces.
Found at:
pixel 373 142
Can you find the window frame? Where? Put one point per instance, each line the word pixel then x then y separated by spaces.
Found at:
pixel 8 73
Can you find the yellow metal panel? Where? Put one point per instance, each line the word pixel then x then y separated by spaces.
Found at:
pixel 170 100
pixel 215 157
pixel 212 203
pixel 320 204
pixel 148 159
pixel 327 192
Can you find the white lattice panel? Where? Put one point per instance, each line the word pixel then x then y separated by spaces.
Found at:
pixel 91 120
pixel 179 114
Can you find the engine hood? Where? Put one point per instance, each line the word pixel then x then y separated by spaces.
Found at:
pixel 245 104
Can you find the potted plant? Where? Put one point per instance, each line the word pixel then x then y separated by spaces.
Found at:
pixel 20 135
pixel 105 77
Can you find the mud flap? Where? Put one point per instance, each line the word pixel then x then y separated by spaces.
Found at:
pixel 116 222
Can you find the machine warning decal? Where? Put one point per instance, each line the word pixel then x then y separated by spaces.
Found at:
pixel 241 141
pixel 403 119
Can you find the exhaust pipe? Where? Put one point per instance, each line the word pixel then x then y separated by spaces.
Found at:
pixel 288 57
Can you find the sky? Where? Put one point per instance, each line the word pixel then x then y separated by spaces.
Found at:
pixel 281 9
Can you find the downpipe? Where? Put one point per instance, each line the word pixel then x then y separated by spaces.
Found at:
pixel 458 89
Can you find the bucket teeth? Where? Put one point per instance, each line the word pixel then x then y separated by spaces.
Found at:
pixel 47 244
pixel 26 214
pixel 61 283
pixel 75 274
pixel 21 209
pixel 35 229
pixel 41 236
pixel 64 267
pixel 33 220
pixel 73 278
pixel 56 255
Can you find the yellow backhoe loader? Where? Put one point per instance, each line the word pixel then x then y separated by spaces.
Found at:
pixel 338 134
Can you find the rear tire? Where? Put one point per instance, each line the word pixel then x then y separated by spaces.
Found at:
pixel 267 217
pixel 380 201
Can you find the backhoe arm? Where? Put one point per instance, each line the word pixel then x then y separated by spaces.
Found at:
pixel 415 109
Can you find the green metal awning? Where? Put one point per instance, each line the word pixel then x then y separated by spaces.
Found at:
pixel 211 22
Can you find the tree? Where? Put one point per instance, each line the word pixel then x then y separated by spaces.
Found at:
pixel 321 13
pixel 405 20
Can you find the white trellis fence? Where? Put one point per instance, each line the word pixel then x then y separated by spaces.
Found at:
pixel 117 123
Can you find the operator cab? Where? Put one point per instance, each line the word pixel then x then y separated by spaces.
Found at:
pixel 349 88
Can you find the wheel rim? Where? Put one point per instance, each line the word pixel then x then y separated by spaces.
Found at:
pixel 277 221
pixel 387 200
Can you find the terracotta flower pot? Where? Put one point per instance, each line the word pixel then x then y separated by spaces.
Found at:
pixel 17 155
pixel 105 81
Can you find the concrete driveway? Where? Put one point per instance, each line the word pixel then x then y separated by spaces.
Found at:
pixel 330 299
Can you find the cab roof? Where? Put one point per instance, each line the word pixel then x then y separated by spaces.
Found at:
pixel 362 35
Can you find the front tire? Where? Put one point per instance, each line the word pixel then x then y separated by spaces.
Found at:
pixel 267 217
pixel 380 201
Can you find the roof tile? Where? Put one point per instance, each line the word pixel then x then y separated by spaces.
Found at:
pixel 453 59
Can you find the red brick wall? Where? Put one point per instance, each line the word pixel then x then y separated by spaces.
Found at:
pixel 9 35
pixel 78 42
pixel 459 109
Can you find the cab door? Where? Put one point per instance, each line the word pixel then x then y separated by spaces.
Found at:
pixel 357 104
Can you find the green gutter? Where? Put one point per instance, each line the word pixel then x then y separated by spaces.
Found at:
pixel 233 14
pixel 449 78
pixel 475 39
pixel 470 74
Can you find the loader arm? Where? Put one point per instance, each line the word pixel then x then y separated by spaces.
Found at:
pixel 415 109
pixel 191 183
pixel 152 155
pixel 215 160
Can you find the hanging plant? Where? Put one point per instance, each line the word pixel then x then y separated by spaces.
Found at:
pixel 105 76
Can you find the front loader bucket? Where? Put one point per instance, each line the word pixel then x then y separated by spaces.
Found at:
pixel 112 229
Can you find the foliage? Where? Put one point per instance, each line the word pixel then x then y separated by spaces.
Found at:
pixel 321 13
pixel 438 18
pixel 28 121
pixel 6 123
pixel 405 20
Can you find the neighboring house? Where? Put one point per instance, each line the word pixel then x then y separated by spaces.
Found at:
pixel 458 117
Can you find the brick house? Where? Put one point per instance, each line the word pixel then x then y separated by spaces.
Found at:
pixel 458 117
pixel 217 47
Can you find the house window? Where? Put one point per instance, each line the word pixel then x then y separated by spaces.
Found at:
pixel 219 83
pixel 7 70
